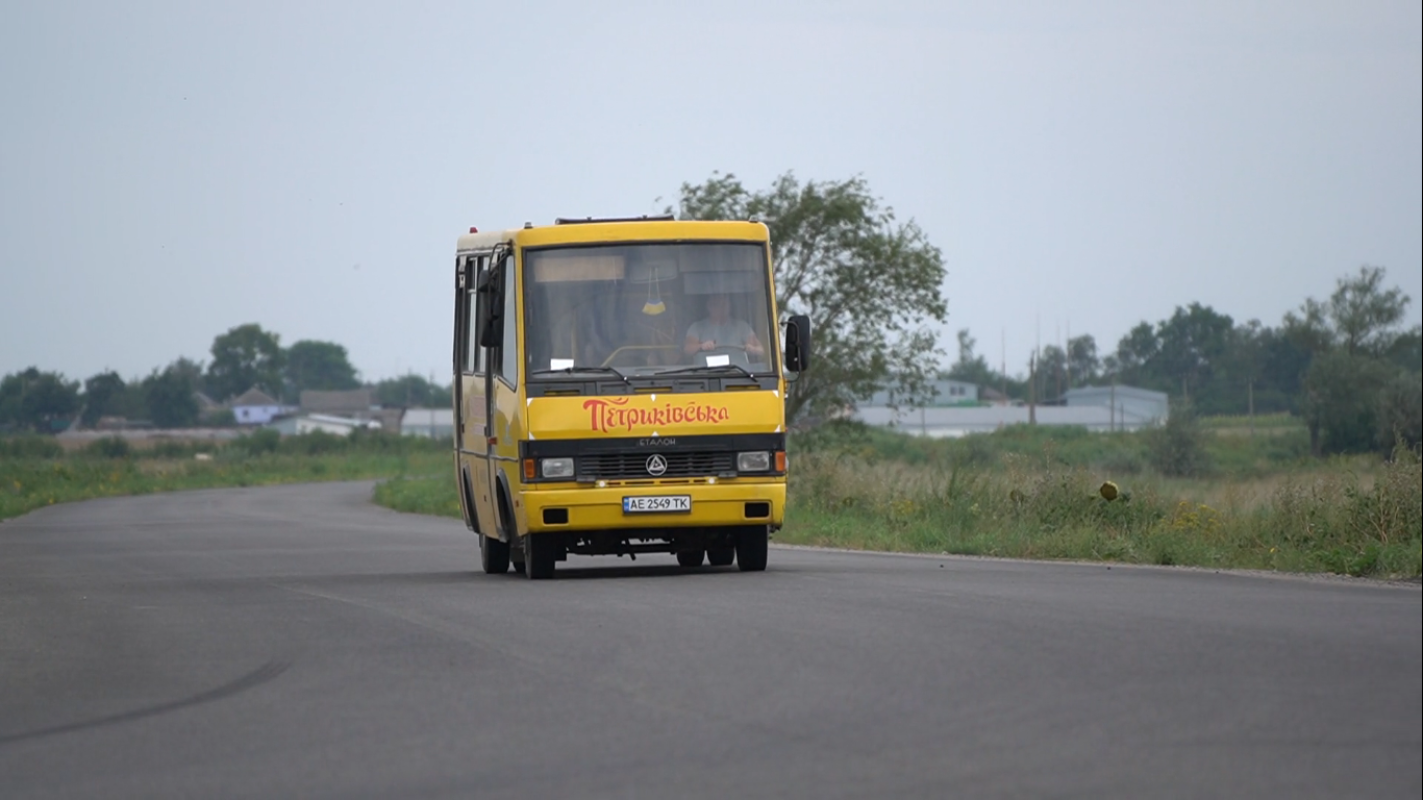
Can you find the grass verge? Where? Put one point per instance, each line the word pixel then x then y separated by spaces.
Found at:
pixel 1016 493
pixel 32 476
pixel 1344 517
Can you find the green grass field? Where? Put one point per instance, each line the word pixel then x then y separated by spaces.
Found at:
pixel 33 475
pixel 1261 503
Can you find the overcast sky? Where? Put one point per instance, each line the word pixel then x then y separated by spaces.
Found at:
pixel 169 171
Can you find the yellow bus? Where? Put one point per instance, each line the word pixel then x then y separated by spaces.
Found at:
pixel 620 389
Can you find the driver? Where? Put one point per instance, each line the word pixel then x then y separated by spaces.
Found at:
pixel 718 329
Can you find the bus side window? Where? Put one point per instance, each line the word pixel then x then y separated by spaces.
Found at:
pixel 474 354
pixel 509 348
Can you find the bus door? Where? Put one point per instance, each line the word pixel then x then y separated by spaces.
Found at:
pixel 498 311
pixel 470 393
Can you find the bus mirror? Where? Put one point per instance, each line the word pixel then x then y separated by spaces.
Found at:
pixel 798 343
pixel 491 301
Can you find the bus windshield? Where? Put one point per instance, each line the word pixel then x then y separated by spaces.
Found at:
pixel 645 309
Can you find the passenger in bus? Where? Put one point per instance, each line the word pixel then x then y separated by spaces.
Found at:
pixel 720 329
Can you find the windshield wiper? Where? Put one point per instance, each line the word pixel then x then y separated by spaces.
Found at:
pixel 573 369
pixel 707 368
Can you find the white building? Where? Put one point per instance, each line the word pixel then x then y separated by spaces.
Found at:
pixel 255 407
pixel 1125 409
pixel 431 423
pixel 1129 402
pixel 948 392
pixel 327 423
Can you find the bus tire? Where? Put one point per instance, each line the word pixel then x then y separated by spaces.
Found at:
pixel 721 556
pixel 751 547
pixel 690 558
pixel 493 555
pixel 540 555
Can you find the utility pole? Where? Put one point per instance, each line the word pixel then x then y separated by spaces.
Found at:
pixel 1113 424
pixel 1033 388
pixel 1057 368
pixel 1250 395
pixel 1003 355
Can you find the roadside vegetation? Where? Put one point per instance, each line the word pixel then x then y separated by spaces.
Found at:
pixel 1232 501
pixel 36 472
pixel 1251 502
pixel 1248 502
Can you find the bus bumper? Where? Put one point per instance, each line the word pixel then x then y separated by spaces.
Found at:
pixel 592 508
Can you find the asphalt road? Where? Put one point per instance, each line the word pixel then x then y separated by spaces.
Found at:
pixel 300 642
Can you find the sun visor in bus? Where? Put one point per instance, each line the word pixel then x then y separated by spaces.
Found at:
pixel 646 271
pixel 565 267
pixel 722 282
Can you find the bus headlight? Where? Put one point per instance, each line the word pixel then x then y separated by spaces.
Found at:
pixel 756 461
pixel 556 467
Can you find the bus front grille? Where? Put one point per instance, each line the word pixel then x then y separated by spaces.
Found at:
pixel 639 465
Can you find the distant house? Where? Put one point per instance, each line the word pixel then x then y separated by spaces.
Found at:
pixel 946 392
pixel 1097 409
pixel 298 424
pixel 431 423
pixel 355 403
pixel 1128 403
pixel 990 395
pixel 254 407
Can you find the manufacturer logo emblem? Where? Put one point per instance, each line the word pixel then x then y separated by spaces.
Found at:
pixel 656 465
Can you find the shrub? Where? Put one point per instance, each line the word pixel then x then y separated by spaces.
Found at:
pixel 172 449
pixel 314 443
pixel 30 446
pixel 1179 447
pixel 1400 418
pixel 262 440
pixel 109 447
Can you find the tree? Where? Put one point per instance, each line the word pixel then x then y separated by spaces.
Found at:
pixel 1364 315
pixel 318 365
pixel 102 393
pixel 1351 398
pixel 1400 415
pixel 1309 329
pixel 169 395
pixel 1135 350
pixel 1342 402
pixel 1191 342
pixel 244 357
pixel 411 391
pixel 1051 373
pixel 1406 352
pixel 1082 362
pixel 971 367
pixel 870 285
pixel 41 401
pixel 1282 367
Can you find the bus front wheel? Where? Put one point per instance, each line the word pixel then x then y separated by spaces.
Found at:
pixel 751 546
pixel 493 555
pixel 540 554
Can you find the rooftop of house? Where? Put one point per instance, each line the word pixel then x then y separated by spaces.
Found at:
pixel 350 400
pixel 254 397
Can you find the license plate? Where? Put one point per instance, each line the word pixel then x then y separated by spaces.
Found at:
pixel 656 503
